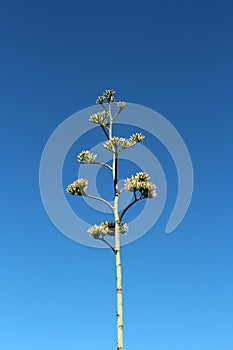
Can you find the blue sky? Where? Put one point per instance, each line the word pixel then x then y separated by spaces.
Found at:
pixel 176 58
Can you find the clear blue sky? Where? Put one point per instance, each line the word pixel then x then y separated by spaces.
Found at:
pixel 174 57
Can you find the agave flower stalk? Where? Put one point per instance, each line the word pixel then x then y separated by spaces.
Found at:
pixel 138 184
pixel 119 311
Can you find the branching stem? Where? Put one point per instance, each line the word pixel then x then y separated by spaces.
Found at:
pixel 100 163
pixel 116 115
pixel 104 107
pixel 129 206
pixel 108 244
pixel 99 199
pixel 104 164
pixel 105 132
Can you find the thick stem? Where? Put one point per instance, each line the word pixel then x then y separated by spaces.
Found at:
pixel 118 259
pixel 118 289
pixel 117 242
pixel 110 121
pixel 115 181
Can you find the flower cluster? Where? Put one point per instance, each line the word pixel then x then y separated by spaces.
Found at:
pixel 121 104
pixel 138 137
pixel 123 228
pixel 100 100
pixel 99 118
pixel 144 177
pixel 113 144
pixel 98 231
pixel 77 187
pixel 106 228
pixel 140 183
pixel 86 157
pixel 107 95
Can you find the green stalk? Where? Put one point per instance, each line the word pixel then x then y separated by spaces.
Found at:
pixel 117 247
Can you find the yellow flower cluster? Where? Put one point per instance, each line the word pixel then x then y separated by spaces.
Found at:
pixel 77 187
pixel 107 95
pixel 138 137
pixel 99 118
pixel 106 228
pixel 86 157
pixel 140 183
pixel 121 104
